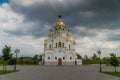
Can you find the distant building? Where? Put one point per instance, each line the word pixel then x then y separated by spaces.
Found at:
pixel 59 47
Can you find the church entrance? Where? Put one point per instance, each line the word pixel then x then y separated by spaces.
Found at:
pixel 59 61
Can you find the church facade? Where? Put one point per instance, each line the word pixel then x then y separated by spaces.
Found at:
pixel 59 47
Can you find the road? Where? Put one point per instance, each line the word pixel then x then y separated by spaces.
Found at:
pixel 59 73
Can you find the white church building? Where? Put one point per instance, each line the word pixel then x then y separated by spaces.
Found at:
pixel 59 47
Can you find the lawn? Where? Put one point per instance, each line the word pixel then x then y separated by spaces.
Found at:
pixel 8 71
pixel 112 73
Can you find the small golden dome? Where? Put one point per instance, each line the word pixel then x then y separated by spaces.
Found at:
pixel 45 42
pixel 74 42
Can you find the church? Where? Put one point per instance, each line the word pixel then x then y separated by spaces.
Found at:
pixel 59 47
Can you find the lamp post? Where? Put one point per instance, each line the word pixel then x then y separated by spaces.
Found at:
pixel 99 53
pixel 16 51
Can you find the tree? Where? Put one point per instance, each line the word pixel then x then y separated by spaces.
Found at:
pixel 21 61
pixel 95 59
pixel 78 56
pixel 35 56
pixel 113 61
pixel 35 59
pixel 12 61
pixel 86 60
pixel 105 60
pixel 6 55
pixel 6 51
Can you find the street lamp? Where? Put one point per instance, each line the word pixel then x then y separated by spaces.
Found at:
pixel 99 53
pixel 16 51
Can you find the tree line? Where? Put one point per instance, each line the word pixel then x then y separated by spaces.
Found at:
pixel 109 61
pixel 7 58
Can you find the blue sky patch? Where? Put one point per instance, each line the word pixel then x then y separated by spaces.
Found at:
pixel 4 1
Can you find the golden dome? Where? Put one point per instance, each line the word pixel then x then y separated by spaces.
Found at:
pixel 59 23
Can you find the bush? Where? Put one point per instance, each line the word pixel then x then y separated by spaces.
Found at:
pixel 12 61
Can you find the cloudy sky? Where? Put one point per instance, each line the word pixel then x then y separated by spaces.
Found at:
pixel 95 24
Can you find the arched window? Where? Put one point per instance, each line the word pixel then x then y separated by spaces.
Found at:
pixel 56 45
pixel 50 46
pixel 48 58
pixel 59 44
pixel 63 58
pixel 63 44
pixel 70 58
pixel 55 58
pixel 63 29
pixel 69 46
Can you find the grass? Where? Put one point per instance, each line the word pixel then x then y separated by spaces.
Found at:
pixel 117 74
pixel 8 71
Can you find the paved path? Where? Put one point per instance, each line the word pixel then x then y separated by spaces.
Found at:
pixel 58 73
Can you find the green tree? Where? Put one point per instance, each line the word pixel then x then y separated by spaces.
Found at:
pixel 35 56
pixel 35 59
pixel 95 59
pixel 21 61
pixel 78 56
pixel 12 61
pixel 6 55
pixel 113 61
pixel 105 60
pixel 86 60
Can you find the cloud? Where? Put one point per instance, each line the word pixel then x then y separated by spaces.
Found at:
pixel 9 20
pixel 12 27
pixel 93 23
pixel 89 14
pixel 27 44
pixel 44 10
pixel 77 12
